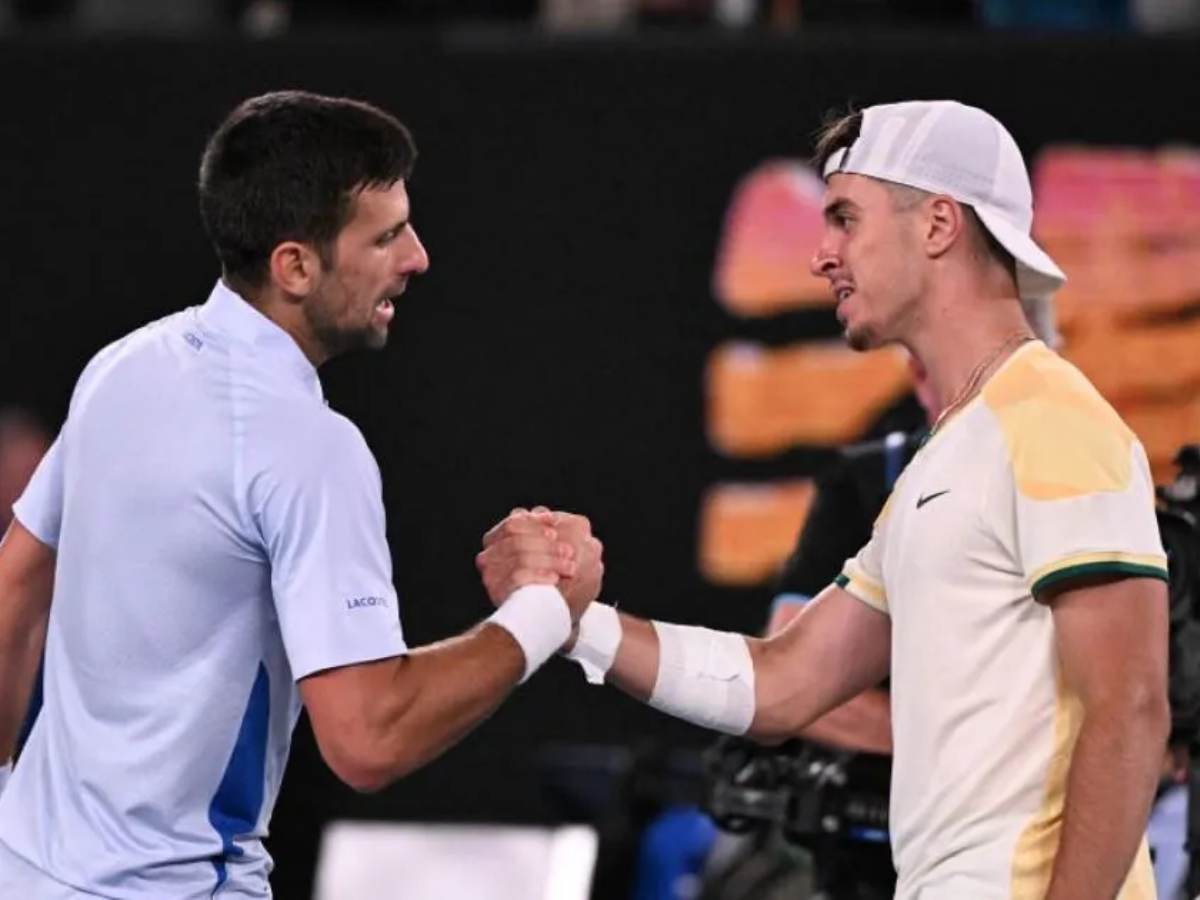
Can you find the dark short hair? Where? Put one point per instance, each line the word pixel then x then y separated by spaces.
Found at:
pixel 841 130
pixel 838 130
pixel 287 166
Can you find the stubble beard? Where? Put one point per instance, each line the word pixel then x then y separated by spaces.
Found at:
pixel 337 339
pixel 860 339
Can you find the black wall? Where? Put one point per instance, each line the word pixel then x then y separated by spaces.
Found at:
pixel 571 196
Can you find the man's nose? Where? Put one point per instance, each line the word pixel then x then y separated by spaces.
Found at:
pixel 823 262
pixel 416 261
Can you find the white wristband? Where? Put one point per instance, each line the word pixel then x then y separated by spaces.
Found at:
pixel 599 637
pixel 539 620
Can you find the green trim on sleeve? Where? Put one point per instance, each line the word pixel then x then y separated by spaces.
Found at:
pixel 842 580
pixel 1104 567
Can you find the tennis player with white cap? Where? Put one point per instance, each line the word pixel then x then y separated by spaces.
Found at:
pixel 1014 584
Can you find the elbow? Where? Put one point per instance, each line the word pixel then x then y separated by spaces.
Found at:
pixel 1142 709
pixel 362 720
pixel 364 779
pixel 1150 710
pixel 774 723
pixel 1155 712
pixel 364 771
pixel 764 734
pixel 356 770
pixel 360 760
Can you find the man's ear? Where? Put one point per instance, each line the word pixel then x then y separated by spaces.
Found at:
pixel 944 223
pixel 295 268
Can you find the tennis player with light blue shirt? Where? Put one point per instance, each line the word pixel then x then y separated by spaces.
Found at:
pixel 215 538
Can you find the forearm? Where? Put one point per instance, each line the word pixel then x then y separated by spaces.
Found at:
pixel 703 676
pixel 406 710
pixel 635 667
pixel 446 689
pixel 1110 788
pixel 782 698
pixel 767 688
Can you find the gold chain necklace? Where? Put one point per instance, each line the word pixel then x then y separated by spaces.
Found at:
pixel 972 383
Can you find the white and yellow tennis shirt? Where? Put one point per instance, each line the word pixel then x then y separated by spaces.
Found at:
pixel 1036 481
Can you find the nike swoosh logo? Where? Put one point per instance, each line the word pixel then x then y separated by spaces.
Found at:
pixel 921 501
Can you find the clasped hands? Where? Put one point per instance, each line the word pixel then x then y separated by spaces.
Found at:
pixel 541 546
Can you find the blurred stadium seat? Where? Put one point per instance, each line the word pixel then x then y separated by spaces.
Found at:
pixel 764 401
pixel 746 529
pixel 422 861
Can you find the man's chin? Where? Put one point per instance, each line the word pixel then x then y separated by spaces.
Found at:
pixel 860 338
pixel 376 339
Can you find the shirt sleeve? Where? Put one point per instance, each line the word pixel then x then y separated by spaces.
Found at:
pixel 40 507
pixel 319 509
pixel 1083 505
pixel 862 575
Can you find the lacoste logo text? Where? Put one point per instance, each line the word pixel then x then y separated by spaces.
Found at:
pixel 921 501
pixel 360 602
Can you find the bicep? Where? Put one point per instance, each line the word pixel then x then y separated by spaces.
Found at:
pixel 1111 638
pixel 837 647
pixel 319 513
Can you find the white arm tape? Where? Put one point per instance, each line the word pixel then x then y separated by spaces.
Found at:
pixel 538 619
pixel 705 677
pixel 599 637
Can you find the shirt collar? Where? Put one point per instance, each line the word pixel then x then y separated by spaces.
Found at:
pixel 227 313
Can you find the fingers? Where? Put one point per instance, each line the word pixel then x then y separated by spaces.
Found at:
pixel 529 552
pixel 518 557
pixel 584 587
pixel 541 546
pixel 519 522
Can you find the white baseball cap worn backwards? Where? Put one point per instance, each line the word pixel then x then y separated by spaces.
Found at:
pixel 946 147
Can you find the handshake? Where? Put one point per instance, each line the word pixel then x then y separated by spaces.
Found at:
pixel 540 546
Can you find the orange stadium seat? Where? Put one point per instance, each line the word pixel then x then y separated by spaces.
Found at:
pixel 746 531
pixel 771 231
pixel 1151 362
pixel 765 401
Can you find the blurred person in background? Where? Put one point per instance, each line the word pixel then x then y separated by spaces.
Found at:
pixel 23 443
pixel 1014 585
pixel 213 538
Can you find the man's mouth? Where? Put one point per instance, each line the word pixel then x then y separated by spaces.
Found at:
pixel 385 309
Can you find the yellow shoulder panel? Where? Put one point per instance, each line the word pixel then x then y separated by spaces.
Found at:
pixel 1064 439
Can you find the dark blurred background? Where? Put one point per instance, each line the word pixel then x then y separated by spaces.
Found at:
pixel 577 161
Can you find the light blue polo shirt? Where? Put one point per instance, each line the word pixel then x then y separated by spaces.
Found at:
pixel 220 535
